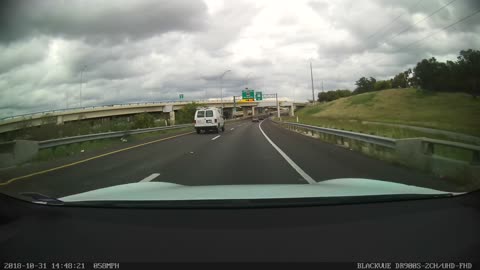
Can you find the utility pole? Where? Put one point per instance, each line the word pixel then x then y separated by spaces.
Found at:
pixel 311 76
pixel 322 85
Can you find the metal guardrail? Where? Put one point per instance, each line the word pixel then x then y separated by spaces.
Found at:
pixel 105 135
pixel 428 148
pixel 464 146
pixel 427 143
pixel 383 141
pixel 108 135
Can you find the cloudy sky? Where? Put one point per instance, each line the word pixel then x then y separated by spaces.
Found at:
pixel 130 51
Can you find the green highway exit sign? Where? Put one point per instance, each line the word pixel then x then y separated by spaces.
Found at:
pixel 248 95
pixel 258 96
pixel 181 96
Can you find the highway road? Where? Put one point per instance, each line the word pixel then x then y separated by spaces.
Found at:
pixel 246 153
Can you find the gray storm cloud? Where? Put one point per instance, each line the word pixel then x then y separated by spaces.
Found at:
pixel 129 51
pixel 100 20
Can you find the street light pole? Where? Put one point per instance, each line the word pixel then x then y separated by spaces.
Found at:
pixel 246 80
pixel 311 76
pixel 278 106
pixel 221 87
pixel 81 86
pixel 81 83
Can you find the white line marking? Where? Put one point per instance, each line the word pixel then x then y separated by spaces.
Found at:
pixel 289 160
pixel 232 128
pixel 216 137
pixel 150 178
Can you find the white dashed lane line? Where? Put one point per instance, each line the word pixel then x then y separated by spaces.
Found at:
pixel 216 137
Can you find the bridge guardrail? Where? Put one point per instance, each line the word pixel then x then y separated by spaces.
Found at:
pixel 74 109
pixel 383 141
pixel 418 153
pixel 427 143
pixel 428 148
pixel 105 135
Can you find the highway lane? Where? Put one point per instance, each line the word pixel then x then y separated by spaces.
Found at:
pixel 325 161
pixel 240 155
pixel 193 159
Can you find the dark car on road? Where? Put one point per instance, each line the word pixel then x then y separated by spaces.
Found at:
pixel 255 119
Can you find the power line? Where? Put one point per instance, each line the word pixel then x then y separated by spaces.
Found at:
pixel 379 29
pixel 444 28
pixel 423 19
pixel 394 20
pixel 434 33
pixel 430 15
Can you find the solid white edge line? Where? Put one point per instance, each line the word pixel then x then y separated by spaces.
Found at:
pixel 289 160
pixel 216 137
pixel 150 178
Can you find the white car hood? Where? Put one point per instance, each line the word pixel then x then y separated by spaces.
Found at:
pixel 152 191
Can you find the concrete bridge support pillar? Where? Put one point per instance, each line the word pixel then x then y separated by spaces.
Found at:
pixel 172 117
pixel 245 111
pixel 228 113
pixel 60 120
pixel 292 110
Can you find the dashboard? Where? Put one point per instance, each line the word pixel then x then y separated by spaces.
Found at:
pixel 427 230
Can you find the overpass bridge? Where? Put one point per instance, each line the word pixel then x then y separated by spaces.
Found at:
pixel 168 108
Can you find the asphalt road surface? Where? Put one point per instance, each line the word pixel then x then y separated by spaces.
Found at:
pixel 246 153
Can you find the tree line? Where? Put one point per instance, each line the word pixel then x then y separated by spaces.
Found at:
pixel 333 95
pixel 462 75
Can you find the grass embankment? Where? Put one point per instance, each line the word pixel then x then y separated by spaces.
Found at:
pixel 96 145
pixel 455 112
pixel 51 130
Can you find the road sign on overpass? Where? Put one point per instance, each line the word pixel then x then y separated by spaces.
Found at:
pixel 248 95
pixel 258 96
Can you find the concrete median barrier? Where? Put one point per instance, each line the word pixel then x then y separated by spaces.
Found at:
pixel 16 152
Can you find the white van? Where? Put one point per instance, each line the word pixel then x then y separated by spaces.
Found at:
pixel 209 118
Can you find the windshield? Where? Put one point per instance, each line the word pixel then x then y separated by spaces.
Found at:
pixel 225 100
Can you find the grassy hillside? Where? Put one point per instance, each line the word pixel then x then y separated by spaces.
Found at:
pixel 455 112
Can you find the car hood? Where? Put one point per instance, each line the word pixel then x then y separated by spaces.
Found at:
pixel 163 191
